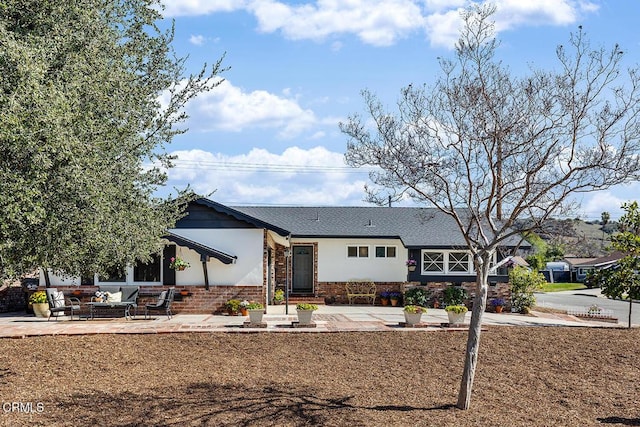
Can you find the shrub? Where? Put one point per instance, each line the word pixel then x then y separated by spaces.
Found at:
pixel 523 283
pixel 417 296
pixel 454 295
pixel 305 306
pixel 233 305
pixel 278 295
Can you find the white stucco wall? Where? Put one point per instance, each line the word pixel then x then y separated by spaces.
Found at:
pixel 246 244
pixel 335 266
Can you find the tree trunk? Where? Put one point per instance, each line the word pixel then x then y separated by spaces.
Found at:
pixel 473 341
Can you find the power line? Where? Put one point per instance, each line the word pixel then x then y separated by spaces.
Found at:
pixel 265 167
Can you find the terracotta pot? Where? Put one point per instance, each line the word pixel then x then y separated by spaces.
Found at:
pixel 384 301
pixel 184 293
pixel 244 312
pixel 181 268
pixel 394 302
pixel 498 308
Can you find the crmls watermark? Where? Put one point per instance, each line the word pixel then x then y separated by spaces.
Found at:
pixel 23 407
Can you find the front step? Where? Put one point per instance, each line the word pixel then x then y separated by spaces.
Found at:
pixel 308 299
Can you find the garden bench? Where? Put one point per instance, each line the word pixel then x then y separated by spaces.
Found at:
pixel 361 290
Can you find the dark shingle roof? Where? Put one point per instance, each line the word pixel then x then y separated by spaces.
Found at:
pixel 416 227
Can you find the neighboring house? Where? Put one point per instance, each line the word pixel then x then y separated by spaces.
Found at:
pixel 581 266
pixel 248 252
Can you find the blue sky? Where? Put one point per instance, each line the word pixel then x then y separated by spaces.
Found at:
pixel 269 134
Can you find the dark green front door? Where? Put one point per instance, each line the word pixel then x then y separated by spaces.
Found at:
pixel 302 269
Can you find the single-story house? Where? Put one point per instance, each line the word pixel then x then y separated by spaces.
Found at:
pixel 581 266
pixel 248 252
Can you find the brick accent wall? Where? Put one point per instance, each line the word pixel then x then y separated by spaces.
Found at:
pixel 499 290
pixel 198 301
pixel 12 298
pixel 335 292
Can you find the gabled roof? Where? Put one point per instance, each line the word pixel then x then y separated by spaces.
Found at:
pixel 255 221
pixel 602 261
pixel 416 227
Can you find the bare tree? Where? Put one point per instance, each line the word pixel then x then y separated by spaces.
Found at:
pixel 488 148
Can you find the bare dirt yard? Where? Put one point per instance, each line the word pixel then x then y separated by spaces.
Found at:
pixel 526 376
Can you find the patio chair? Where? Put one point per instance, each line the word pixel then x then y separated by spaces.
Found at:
pixel 163 304
pixel 59 304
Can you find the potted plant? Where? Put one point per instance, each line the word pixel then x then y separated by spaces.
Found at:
pixel 256 311
pixel 411 264
pixel 413 313
pixel 456 313
pixel 305 312
pixel 384 297
pixel 178 263
pixel 498 304
pixel 394 297
pixel 278 296
pixel 243 308
pixel 39 303
pixel 232 306
pixel 417 296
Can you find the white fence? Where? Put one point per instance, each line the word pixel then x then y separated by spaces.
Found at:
pixel 589 312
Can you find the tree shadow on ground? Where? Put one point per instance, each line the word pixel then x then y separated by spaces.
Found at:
pixel 216 404
pixel 620 420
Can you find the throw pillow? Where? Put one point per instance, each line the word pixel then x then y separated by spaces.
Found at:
pixel 58 299
pixel 162 297
pixel 114 297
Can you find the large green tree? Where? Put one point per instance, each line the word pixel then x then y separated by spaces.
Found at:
pixel 623 280
pixel 91 91
pixel 489 148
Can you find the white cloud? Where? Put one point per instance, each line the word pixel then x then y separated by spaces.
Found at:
pixel 232 109
pixel 513 13
pixel 197 40
pixel 175 8
pixel 375 22
pixel 382 22
pixel 608 201
pixel 314 176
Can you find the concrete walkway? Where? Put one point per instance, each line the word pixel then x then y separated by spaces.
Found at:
pixel 331 318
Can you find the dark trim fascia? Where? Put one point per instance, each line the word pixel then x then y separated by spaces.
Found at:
pixel 203 250
pixel 241 216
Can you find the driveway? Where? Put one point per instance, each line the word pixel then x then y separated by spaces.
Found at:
pixel 580 299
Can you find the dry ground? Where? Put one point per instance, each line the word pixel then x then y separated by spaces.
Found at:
pixel 526 376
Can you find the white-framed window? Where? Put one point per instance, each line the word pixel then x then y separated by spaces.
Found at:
pixel 433 262
pixel 446 262
pixel 386 251
pixel 357 251
pixel 460 262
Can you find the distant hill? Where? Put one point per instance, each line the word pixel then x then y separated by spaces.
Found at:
pixel 579 238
